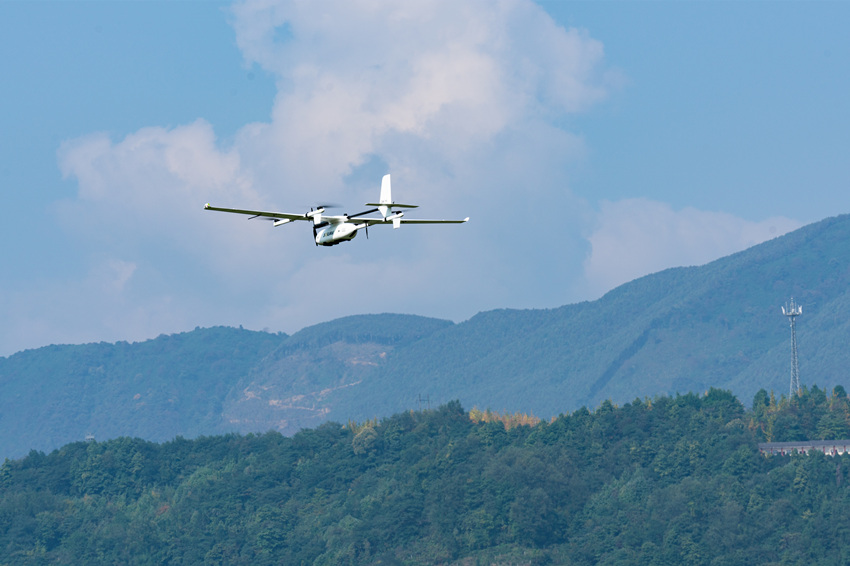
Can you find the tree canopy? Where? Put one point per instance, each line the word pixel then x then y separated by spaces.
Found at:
pixel 670 480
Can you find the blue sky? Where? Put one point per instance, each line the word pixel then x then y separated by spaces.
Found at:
pixel 590 143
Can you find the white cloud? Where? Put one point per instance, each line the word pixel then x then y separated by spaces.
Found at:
pixel 461 101
pixel 356 77
pixel 107 302
pixel 149 171
pixel 149 190
pixel 114 275
pixel 636 237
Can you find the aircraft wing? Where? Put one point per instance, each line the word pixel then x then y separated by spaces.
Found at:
pixel 259 213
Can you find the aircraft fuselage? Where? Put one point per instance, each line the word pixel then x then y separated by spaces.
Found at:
pixel 334 234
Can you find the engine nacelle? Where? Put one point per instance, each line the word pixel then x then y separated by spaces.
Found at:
pixel 396 218
pixel 316 215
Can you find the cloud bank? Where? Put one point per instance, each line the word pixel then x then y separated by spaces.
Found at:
pixel 635 237
pixel 463 103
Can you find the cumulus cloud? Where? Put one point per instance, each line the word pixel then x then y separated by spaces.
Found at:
pixel 635 237
pixel 107 302
pixel 362 78
pixel 461 102
pixel 147 190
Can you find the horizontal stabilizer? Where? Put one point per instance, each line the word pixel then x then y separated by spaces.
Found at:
pixel 392 205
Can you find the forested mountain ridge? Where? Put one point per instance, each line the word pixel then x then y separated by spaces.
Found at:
pixel 300 383
pixel 668 480
pixel 683 329
pixel 156 389
pixel 207 381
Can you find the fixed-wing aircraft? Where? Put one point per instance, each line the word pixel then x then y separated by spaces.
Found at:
pixel 330 230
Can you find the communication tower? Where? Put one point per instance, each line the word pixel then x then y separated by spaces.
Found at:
pixel 792 312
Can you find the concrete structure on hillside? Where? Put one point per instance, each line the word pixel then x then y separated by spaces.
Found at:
pixel 828 447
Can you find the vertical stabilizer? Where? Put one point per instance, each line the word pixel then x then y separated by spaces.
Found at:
pixel 386 191
pixel 386 196
pixel 386 204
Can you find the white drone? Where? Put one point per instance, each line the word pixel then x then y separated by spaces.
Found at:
pixel 331 230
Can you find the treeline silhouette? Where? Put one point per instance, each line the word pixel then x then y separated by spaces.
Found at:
pixel 669 480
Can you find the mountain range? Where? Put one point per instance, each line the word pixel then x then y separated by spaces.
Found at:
pixel 680 330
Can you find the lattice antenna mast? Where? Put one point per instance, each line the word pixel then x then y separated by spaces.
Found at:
pixel 792 312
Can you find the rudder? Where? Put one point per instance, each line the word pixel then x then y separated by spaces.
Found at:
pixel 386 190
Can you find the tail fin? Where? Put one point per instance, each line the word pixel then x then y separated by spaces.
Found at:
pixel 386 191
pixel 386 196
pixel 386 204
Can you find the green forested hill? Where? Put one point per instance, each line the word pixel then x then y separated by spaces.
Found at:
pixel 684 329
pixel 207 381
pixel 672 480
pixel 156 389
